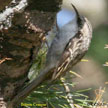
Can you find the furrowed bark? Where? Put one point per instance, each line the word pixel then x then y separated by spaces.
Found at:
pixel 20 42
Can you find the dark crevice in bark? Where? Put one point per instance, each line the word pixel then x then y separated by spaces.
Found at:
pixel 45 5
pixel 4 3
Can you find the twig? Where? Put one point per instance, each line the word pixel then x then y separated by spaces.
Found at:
pixel 69 95
pixel 99 93
pixel 4 59
pixel 106 46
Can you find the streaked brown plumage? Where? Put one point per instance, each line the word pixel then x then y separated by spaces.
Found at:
pixel 76 48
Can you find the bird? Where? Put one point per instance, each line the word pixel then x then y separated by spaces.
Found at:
pixel 69 45
pixel 66 49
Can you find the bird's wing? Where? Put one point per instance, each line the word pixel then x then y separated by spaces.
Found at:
pixel 75 49
pixel 71 50
pixel 69 55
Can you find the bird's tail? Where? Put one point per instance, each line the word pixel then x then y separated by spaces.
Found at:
pixel 31 86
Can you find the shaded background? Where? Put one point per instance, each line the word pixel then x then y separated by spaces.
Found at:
pixel 93 72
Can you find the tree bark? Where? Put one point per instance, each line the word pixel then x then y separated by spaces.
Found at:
pixel 20 40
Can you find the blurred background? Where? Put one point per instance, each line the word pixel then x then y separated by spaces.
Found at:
pixel 94 73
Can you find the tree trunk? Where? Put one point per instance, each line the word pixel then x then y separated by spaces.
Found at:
pixel 21 35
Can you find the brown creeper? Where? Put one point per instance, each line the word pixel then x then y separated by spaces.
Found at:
pixel 70 45
pixel 67 48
